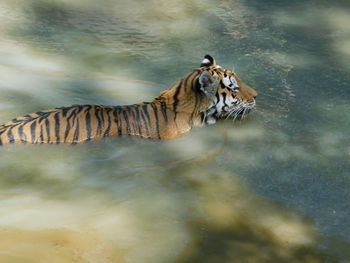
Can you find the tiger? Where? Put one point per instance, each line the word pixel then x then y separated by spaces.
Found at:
pixel 203 96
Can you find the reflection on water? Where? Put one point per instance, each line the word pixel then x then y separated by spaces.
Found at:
pixel 162 213
pixel 270 189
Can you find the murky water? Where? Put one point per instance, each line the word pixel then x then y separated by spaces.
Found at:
pixel 274 188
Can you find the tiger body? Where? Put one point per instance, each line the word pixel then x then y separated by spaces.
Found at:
pixel 79 123
pixel 203 96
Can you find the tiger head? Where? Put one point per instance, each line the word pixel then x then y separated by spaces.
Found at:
pixel 230 96
pixel 207 94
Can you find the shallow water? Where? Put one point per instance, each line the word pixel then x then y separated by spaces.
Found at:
pixel 272 188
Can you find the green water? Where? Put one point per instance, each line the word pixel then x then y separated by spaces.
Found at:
pixel 272 188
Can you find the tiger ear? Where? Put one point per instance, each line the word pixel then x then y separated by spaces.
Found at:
pixel 207 84
pixel 208 61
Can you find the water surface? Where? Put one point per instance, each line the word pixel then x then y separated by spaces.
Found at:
pixel 273 188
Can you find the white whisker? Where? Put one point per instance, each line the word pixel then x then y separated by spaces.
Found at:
pixel 237 113
pixel 234 112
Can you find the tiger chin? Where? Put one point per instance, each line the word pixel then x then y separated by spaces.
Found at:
pixel 202 97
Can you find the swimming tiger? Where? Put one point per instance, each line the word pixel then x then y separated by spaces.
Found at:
pixel 203 96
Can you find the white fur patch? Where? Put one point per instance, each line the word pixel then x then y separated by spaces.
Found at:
pixel 211 120
pixel 220 104
pixel 231 101
pixel 231 82
pixel 206 61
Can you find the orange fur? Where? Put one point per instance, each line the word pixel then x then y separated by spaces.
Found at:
pixel 175 112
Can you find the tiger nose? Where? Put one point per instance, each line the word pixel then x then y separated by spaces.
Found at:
pixel 255 94
pixel 252 97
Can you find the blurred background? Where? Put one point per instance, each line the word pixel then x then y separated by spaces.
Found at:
pixel 272 188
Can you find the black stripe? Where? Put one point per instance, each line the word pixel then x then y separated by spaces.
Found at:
pixel 183 83
pixel 67 131
pixel 41 134
pixel 15 120
pixel 57 127
pixel 101 111
pixel 40 113
pixel 28 117
pixel 155 110
pixel 224 98
pixel 21 135
pixel 131 113
pixel 47 125
pixel 88 124
pixel 68 124
pixel 138 120
pixel 77 110
pixel 194 85
pixel 116 113
pixel 80 108
pixel 65 111
pixel 146 126
pixel 41 118
pixel 99 124
pixel 164 110
pixel 10 137
pixel 76 133
pixel 217 97
pixel 109 123
pixel 3 129
pixel 195 109
pixel 73 113
pixel 176 99
pixel 102 115
pixel 193 81
pixel 145 110
pixel 125 115
pixel 32 131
